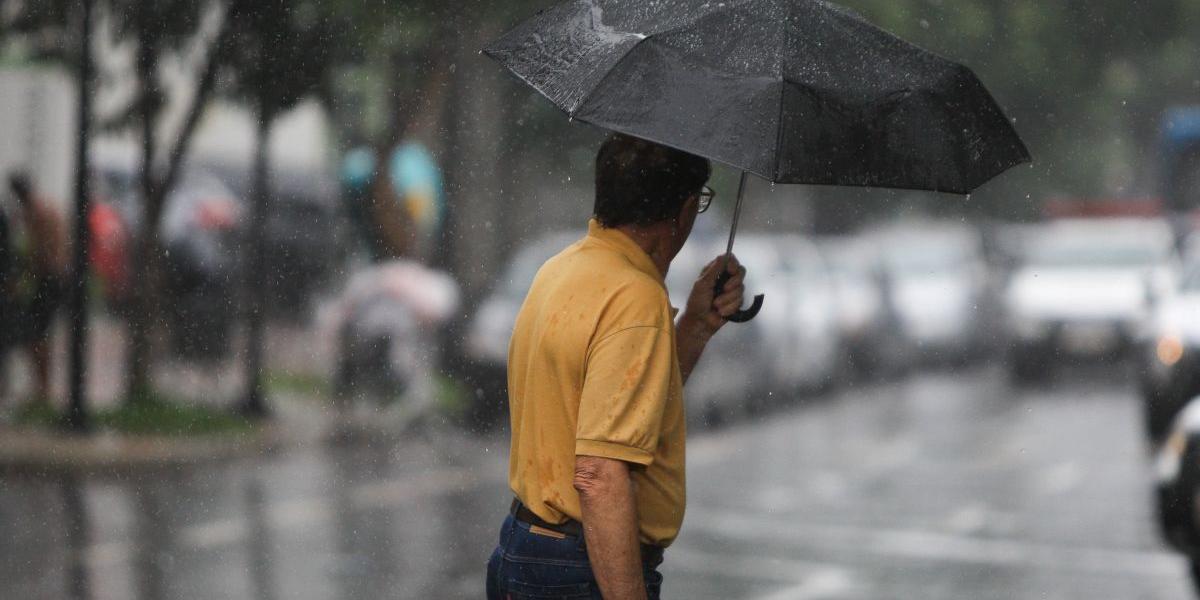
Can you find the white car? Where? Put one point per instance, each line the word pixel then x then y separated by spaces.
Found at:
pixel 492 327
pixel 816 357
pixel 1083 289
pixel 490 330
pixel 731 373
pixel 866 324
pixel 935 282
pixel 1169 353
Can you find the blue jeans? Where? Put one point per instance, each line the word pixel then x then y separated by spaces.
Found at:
pixel 529 565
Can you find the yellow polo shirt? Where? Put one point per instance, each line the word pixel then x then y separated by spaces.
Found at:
pixel 593 371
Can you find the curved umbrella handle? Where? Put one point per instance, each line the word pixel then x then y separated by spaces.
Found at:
pixel 741 316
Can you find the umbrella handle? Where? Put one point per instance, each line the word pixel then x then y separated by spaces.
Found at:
pixel 741 316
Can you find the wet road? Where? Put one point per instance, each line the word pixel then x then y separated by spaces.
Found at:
pixel 940 486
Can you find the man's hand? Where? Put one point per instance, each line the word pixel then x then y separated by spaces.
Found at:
pixel 610 526
pixel 706 314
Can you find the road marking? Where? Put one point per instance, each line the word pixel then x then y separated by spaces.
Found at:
pixel 825 584
pixel 942 547
pixel 803 579
pixel 1060 479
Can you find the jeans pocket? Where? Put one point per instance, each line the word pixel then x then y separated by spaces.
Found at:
pixel 517 590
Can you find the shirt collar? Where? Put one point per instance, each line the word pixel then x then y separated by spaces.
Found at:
pixel 624 245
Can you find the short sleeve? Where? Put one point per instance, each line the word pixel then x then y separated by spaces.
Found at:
pixel 625 388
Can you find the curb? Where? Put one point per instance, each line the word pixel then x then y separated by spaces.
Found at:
pixel 42 452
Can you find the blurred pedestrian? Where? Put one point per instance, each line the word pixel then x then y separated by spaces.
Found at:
pixel 596 370
pixel 48 266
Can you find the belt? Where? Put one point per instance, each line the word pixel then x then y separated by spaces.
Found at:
pixel 650 552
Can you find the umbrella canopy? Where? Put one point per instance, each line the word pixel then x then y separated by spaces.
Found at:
pixel 795 91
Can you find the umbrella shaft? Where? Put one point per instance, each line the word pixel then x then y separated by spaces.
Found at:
pixel 737 213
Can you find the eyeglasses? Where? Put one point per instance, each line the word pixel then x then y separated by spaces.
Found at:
pixel 706 197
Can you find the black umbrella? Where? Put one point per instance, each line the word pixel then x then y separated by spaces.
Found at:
pixel 794 91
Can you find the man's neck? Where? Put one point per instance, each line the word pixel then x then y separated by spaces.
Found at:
pixel 654 241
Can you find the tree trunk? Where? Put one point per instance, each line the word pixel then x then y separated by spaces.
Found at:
pixel 145 260
pixel 77 416
pixel 253 403
pixel 146 293
pixel 204 90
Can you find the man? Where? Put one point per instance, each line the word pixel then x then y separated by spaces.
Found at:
pixel 596 372
pixel 49 265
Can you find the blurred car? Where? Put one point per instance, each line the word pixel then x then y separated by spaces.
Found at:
pixel 815 356
pixel 1082 290
pixel 304 233
pixel 734 373
pixel 490 329
pixel 201 234
pixel 793 345
pixel 1169 356
pixel 203 261
pixel 866 324
pixel 934 281
pixel 1177 486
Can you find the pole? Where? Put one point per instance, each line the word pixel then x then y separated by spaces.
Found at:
pixel 740 316
pixel 253 403
pixel 737 214
pixel 77 417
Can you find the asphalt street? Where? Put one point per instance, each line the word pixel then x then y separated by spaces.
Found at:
pixel 939 486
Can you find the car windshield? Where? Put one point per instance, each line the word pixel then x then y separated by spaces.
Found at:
pixel 1095 252
pixel 909 258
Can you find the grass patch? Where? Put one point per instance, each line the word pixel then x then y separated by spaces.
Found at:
pixel 37 414
pixel 451 396
pixel 153 414
pixel 303 384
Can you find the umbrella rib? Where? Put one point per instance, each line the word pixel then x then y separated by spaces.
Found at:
pixel 783 83
pixel 585 97
pixel 727 7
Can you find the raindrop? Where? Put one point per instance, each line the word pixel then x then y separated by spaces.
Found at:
pixel 924 24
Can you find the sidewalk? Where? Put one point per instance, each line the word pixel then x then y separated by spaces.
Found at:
pixel 290 348
pixel 298 417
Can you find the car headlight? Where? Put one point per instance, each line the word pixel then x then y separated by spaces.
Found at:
pixel 1169 349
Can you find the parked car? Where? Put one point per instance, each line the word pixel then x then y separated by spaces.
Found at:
pixel 1178 487
pixel 935 281
pixel 866 323
pixel 1169 353
pixel 201 234
pixel 490 329
pixel 732 373
pixel 815 359
pixel 1083 289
